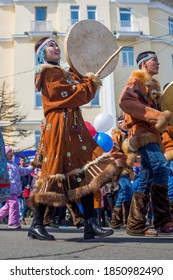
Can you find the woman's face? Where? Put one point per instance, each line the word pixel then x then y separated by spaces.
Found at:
pixel 52 52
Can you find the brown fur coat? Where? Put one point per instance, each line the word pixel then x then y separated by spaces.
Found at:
pixel 167 140
pixel 140 102
pixel 73 164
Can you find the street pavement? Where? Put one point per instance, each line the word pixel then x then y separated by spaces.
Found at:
pixel 70 245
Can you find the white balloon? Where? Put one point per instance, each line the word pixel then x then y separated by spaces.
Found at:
pixel 103 122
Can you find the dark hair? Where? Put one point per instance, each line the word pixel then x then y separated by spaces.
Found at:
pixel 142 55
pixel 40 42
pixel 22 158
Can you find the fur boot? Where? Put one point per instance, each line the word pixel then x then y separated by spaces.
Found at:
pixel 136 223
pixel 117 217
pixel 160 204
pixel 126 209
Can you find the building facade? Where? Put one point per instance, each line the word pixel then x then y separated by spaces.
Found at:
pixel 136 25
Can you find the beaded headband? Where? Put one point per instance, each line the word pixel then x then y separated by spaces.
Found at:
pixel 146 58
pixel 43 44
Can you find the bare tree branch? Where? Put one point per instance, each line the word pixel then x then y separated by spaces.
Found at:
pixel 11 116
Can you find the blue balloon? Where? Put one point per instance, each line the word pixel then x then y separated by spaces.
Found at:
pixel 104 141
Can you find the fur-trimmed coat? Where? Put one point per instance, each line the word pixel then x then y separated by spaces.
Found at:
pixel 73 164
pixel 167 140
pixel 140 102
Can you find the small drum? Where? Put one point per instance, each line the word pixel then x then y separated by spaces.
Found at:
pixel 167 99
pixel 88 45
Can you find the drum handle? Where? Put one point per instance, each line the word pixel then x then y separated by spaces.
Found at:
pixel 107 62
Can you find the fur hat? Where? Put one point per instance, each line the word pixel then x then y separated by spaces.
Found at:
pixel 7 149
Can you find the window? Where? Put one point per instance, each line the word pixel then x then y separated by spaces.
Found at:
pixel 91 12
pixel 37 138
pixel 38 99
pixel 40 18
pixel 96 99
pixel 128 56
pixel 74 14
pixel 40 13
pixel 95 102
pixel 125 17
pixel 170 24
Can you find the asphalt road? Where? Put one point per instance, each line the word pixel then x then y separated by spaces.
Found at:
pixel 70 245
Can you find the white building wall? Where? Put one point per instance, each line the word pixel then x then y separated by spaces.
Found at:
pixel 18 58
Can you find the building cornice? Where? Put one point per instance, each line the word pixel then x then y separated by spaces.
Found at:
pixel 4 3
pixel 35 1
pixel 13 2
pixel 30 122
pixel 6 39
pixel 20 36
pixel 161 6
pixel 156 40
pixel 166 42
pixel 130 1
pixel 32 35
pixel 27 122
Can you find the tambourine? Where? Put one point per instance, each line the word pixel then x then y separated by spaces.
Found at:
pixel 167 99
pixel 91 47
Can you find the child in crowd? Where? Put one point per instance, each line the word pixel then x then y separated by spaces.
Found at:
pixel 35 176
pixel 11 207
pixel 26 186
pixel 4 178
